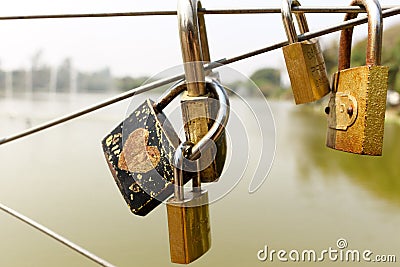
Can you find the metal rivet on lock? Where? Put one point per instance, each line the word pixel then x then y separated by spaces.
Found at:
pixel 361 90
pixel 350 111
pixel 304 60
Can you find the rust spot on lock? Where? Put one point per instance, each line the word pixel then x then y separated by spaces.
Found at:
pixel 136 155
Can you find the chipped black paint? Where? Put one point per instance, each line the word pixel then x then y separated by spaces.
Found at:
pixel 144 191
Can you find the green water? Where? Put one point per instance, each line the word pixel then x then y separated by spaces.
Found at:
pixel 312 197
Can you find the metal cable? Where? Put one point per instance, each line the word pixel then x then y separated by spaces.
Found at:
pixel 209 66
pixel 56 236
pixel 301 9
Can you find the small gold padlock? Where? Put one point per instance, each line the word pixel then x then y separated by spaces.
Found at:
pixel 356 111
pixel 188 217
pixel 304 60
pixel 198 104
pixel 188 214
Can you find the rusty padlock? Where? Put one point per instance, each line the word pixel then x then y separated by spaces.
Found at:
pixel 198 115
pixel 356 111
pixel 304 60
pixel 188 212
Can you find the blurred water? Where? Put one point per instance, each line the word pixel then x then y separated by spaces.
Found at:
pixel 312 197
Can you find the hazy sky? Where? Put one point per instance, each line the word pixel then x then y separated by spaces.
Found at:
pixel 147 45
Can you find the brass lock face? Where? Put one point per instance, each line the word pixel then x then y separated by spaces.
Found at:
pixel 189 227
pixel 359 92
pixel 304 60
pixel 198 116
pixel 342 111
pixel 307 71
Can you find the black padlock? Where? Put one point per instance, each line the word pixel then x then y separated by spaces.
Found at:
pixel 139 152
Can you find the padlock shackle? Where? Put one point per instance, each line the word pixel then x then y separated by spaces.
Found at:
pixel 181 152
pixel 375 29
pixel 194 45
pixel 205 50
pixel 193 152
pixel 287 18
pixel 175 90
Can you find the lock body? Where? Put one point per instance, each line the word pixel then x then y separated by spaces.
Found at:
pixel 307 72
pixel 198 115
pixel 357 110
pixel 189 227
pixel 139 152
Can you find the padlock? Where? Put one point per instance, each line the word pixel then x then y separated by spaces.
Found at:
pixel 356 111
pixel 139 153
pixel 188 217
pixel 198 112
pixel 188 214
pixel 304 60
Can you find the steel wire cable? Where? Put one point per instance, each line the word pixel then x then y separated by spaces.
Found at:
pixel 56 236
pixel 300 9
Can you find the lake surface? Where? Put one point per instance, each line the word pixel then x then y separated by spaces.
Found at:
pixel 312 197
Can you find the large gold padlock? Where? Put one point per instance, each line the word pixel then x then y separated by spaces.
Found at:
pixel 304 60
pixel 198 111
pixel 188 218
pixel 356 111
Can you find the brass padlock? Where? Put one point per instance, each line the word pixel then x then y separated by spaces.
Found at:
pixel 356 111
pixel 188 217
pixel 139 154
pixel 197 112
pixel 188 214
pixel 304 60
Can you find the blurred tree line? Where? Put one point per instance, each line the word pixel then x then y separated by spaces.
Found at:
pixel 40 77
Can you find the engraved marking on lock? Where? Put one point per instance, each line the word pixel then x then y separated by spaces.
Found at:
pixel 318 70
pixel 342 111
pixel 136 156
pixel 134 188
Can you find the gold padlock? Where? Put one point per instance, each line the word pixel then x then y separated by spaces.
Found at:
pixel 188 214
pixel 188 217
pixel 304 60
pixel 198 104
pixel 356 111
